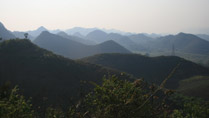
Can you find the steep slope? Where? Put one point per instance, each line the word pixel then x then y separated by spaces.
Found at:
pixel 75 38
pixel 73 49
pixel 4 33
pixel 154 69
pixel 44 75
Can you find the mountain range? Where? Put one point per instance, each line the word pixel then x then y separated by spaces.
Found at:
pixel 187 46
pixel 187 43
pixel 99 36
pixel 73 49
pixel 76 37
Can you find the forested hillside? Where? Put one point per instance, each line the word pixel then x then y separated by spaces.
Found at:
pixel 152 69
pixel 42 74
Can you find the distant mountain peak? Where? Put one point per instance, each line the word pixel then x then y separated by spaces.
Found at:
pixel 109 42
pixel 62 33
pixel 42 28
pixel 182 33
pixel 98 32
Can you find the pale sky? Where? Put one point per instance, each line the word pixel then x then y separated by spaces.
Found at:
pixel 150 16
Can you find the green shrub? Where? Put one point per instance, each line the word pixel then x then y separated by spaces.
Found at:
pixel 15 106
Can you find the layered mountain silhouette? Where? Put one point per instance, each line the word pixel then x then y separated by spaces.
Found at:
pixel 183 43
pixel 85 31
pixel 153 69
pixel 187 43
pixel 73 49
pixel 141 39
pixel 37 32
pixel 75 38
pixel 42 74
pixel 78 35
pixel 82 31
pixel 4 33
pixel 99 36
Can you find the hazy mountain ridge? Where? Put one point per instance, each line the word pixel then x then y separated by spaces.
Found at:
pixel 38 31
pixel 75 38
pixel 73 49
pixel 188 43
pixel 187 46
pixel 100 36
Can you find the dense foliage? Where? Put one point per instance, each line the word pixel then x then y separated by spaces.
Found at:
pixel 122 99
pixel 13 105
pixel 113 99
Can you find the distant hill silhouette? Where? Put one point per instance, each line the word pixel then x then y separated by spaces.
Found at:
pixel 140 39
pixel 97 36
pixel 72 49
pixel 153 69
pixel 85 31
pixel 37 32
pixel 100 36
pixel 82 31
pixel 75 38
pixel 4 33
pixel 187 43
pixel 78 35
pixel 42 74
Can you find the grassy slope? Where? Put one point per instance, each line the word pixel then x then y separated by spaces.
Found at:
pixel 197 86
